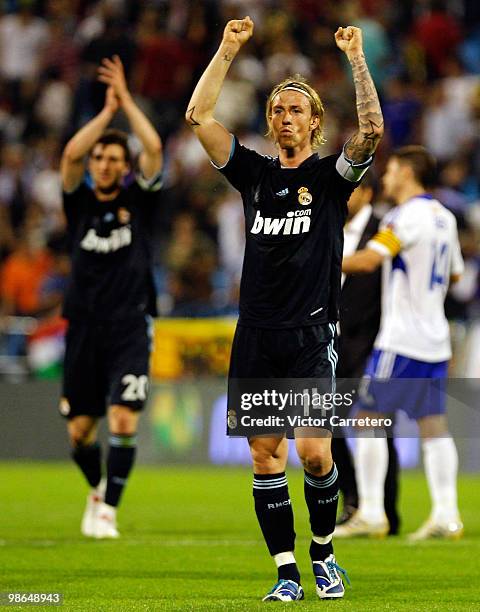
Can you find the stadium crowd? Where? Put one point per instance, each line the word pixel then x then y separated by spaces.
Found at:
pixel 424 57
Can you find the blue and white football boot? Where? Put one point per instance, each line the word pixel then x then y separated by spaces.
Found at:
pixel 329 583
pixel 285 590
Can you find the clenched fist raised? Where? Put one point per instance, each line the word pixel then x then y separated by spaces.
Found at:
pixel 349 40
pixel 236 33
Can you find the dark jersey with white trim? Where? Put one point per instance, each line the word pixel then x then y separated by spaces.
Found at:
pixel 111 253
pixel 294 238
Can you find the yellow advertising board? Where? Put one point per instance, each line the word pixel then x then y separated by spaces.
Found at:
pixel 186 348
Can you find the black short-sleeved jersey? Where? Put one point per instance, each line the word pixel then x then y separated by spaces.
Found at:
pixel 111 252
pixel 294 238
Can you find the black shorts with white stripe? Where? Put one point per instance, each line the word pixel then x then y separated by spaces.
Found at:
pixel 298 352
pixel 291 356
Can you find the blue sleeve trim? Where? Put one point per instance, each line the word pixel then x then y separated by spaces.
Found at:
pixel 232 151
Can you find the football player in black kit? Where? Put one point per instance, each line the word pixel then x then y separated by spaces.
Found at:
pixel 295 208
pixel 110 293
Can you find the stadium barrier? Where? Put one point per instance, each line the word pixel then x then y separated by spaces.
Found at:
pixel 184 420
pixel 184 423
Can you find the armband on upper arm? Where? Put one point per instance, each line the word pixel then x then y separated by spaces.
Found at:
pixel 385 242
pixel 349 169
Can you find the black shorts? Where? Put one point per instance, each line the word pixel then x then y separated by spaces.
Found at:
pixel 105 364
pixel 282 354
pixel 299 352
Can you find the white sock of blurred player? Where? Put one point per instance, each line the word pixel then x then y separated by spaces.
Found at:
pixel 441 464
pixel 106 522
pixel 371 463
pixel 94 499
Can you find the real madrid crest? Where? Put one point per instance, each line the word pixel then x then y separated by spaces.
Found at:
pixel 232 419
pixel 64 406
pixel 123 216
pixel 304 197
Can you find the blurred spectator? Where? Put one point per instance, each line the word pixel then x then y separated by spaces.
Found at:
pixel 46 188
pixel 185 156
pixel 53 106
pixel 64 12
pixel 458 85
pixel 7 236
pixel 457 187
pixel 23 38
pixel 94 23
pixel 286 60
pixel 61 55
pixel 470 49
pixel 23 274
pixel 438 34
pixel 231 235
pixel 375 41
pixel 14 184
pixel 190 258
pixel 446 129
pixel 237 104
pixel 112 38
pixel 401 111
pixel 54 284
pixel 186 243
pixel 157 52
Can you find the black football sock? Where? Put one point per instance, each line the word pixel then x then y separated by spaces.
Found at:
pixel 289 571
pixel 321 495
pixel 346 472
pixel 121 456
pixel 275 516
pixel 391 488
pixel 88 459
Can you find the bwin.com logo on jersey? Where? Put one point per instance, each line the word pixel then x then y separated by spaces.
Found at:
pixel 296 222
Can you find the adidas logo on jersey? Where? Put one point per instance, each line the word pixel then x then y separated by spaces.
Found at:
pixel 118 238
pixel 296 222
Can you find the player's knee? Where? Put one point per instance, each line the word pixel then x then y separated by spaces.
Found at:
pixel 79 436
pixel 123 421
pixel 123 427
pixel 82 431
pixel 260 456
pixel 317 462
pixel 264 460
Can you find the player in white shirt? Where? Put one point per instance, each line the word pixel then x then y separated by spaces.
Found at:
pixel 417 245
pixel 418 242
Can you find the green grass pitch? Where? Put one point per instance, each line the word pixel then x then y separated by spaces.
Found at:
pixel 190 542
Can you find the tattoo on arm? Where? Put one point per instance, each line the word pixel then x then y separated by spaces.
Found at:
pixel 228 57
pixel 193 122
pixel 370 119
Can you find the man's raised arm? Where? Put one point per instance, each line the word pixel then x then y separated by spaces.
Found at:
pixel 112 74
pixel 215 138
pixel 72 165
pixel 370 119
